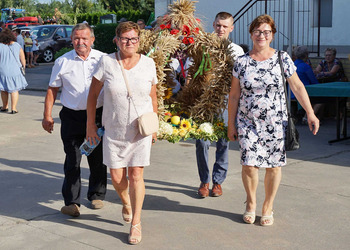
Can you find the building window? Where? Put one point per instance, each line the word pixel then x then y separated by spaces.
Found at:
pixel 326 13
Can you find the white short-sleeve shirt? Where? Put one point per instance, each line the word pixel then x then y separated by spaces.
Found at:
pixel 74 75
pixel 20 40
pixel 236 51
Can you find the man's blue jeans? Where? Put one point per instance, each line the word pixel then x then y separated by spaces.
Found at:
pixel 221 161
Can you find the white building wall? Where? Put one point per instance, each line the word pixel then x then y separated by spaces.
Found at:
pixel 339 33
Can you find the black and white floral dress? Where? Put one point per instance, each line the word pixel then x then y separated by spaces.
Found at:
pixel 262 114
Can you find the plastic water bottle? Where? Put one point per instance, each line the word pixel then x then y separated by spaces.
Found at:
pixel 86 148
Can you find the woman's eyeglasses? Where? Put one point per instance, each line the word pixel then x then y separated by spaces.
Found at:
pixel 125 40
pixel 259 32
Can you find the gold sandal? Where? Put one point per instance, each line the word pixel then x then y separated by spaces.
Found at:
pixel 127 217
pixel 134 240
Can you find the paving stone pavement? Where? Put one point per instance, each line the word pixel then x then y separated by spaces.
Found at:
pixel 311 208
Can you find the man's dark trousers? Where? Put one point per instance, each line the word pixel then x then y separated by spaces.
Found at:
pixel 73 133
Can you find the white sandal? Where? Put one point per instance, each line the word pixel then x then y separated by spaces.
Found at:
pixel 127 217
pixel 267 219
pixel 249 217
pixel 134 240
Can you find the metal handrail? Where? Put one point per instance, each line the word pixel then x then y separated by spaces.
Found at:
pixel 244 11
pixel 234 17
pixel 298 21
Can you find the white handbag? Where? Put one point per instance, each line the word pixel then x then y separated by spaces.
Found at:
pixel 148 123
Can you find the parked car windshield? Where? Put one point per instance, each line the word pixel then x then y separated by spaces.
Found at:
pixel 43 32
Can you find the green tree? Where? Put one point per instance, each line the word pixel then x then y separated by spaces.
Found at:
pixel 84 6
pixel 115 5
pixel 28 5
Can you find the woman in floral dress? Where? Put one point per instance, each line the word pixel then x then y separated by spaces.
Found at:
pixel 258 116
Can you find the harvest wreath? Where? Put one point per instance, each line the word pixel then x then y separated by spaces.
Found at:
pixel 196 110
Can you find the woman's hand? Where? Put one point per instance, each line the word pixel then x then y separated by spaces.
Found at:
pixel 91 134
pixel 232 133
pixel 313 122
pixel 154 138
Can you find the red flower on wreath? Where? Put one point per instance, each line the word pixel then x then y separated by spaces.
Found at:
pixel 163 26
pixel 185 40
pixel 174 31
pixel 190 40
pixel 186 30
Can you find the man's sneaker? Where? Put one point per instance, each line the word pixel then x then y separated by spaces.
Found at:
pixel 96 204
pixel 72 210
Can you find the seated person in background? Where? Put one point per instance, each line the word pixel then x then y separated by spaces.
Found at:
pixel 294 47
pixel 330 69
pixel 304 72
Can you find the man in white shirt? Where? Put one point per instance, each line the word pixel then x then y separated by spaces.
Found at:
pixel 223 26
pixel 19 37
pixel 73 72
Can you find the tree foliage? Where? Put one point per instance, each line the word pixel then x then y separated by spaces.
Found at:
pixel 74 10
pixel 84 6
pixel 123 5
pixel 33 7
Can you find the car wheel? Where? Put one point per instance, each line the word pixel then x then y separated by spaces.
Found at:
pixel 48 55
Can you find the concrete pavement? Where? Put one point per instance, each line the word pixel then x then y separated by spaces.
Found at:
pixel 311 208
pixel 38 77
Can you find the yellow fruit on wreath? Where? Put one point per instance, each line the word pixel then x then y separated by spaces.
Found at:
pixel 175 120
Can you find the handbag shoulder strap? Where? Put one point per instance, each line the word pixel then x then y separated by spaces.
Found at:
pixel 124 75
pixel 20 64
pixel 126 80
pixel 284 80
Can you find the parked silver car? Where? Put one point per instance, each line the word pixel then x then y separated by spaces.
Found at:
pixel 51 38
